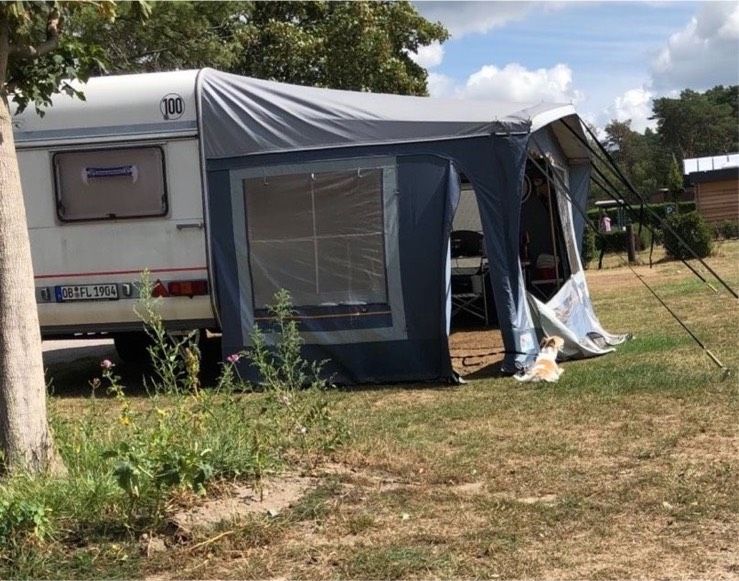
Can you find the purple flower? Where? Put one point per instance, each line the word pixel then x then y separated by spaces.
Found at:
pixel 107 364
pixel 233 358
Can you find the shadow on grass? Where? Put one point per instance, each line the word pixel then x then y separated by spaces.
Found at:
pixel 492 371
pixel 71 379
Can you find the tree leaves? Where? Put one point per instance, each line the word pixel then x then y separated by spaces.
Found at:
pixel 699 124
pixel 34 28
pixel 692 125
pixel 347 45
pixel 360 46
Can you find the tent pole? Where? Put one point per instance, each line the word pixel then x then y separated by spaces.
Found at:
pixel 567 192
pixel 552 232
pixel 614 168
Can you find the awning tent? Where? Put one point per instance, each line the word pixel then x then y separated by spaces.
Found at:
pixel 346 199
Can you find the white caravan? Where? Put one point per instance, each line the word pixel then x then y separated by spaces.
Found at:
pixel 112 187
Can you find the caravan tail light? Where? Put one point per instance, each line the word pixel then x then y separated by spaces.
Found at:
pixel 187 288
pixel 159 290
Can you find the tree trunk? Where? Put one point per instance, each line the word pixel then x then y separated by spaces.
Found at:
pixel 24 431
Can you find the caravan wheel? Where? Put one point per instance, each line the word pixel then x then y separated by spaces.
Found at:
pixel 133 347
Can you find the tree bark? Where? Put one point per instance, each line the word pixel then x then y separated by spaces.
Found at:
pixel 25 438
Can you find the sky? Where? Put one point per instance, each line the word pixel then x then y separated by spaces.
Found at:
pixel 610 59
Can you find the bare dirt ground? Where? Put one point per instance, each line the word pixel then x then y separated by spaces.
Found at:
pixel 475 350
pixel 69 350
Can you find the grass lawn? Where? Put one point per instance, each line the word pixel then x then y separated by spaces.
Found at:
pixel 628 467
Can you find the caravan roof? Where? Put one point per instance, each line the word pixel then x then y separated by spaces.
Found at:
pixel 113 108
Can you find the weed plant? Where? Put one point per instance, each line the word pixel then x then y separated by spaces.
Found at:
pixel 128 460
pixel 296 408
pixel 174 360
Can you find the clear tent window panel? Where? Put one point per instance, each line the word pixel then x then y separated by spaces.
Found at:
pixel 320 235
pixel 110 183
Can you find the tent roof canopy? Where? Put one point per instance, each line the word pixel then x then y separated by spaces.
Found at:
pixel 244 116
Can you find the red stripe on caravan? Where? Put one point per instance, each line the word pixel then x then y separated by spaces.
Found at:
pixel 110 272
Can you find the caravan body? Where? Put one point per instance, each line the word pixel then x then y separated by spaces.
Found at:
pixel 113 187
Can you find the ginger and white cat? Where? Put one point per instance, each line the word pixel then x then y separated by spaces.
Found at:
pixel 545 367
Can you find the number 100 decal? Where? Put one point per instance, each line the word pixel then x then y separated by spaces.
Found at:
pixel 172 106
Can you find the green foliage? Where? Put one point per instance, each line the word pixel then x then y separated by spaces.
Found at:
pixel 727 229
pixel 282 366
pixel 128 460
pixel 34 82
pixel 178 35
pixel 588 246
pixel 346 45
pixel 21 519
pixel 675 177
pixel 296 408
pixel 147 468
pixel 692 228
pixel 634 153
pixel 698 124
pixel 44 59
pixel 156 452
pixel 692 125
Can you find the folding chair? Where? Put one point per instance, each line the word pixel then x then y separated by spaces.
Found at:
pixel 469 270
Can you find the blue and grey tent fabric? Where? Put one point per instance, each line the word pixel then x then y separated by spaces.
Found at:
pixel 261 139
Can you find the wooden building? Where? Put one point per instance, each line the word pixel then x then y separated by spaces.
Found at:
pixel 717 193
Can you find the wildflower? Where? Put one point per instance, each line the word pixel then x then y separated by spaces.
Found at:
pixel 233 358
pixel 107 364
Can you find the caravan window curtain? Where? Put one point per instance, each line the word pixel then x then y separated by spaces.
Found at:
pixel 320 235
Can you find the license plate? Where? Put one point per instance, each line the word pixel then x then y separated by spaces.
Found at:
pixel 86 292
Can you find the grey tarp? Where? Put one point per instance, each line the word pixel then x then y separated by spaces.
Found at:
pixel 371 293
pixel 244 116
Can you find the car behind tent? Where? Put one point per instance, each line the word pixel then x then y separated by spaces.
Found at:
pixel 346 199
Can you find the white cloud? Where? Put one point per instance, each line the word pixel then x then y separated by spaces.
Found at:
pixel 513 82
pixel 440 85
pixel 463 18
pixel 428 56
pixel 704 53
pixel 634 104
pixel 593 121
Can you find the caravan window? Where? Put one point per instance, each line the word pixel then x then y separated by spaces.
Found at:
pixel 110 183
pixel 319 235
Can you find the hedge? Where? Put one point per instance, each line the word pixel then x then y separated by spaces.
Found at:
pixel 588 246
pixel 692 228
pixel 726 229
